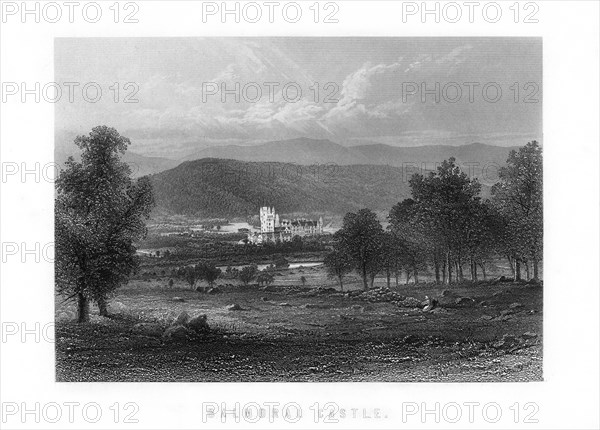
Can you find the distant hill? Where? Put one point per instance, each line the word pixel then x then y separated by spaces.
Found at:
pixel 428 156
pixel 227 188
pixel 141 165
pixel 300 151
pixel 310 151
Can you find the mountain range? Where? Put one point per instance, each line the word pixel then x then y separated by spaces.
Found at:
pixel 312 151
pixel 296 176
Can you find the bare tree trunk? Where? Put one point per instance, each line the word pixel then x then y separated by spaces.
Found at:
pixel 83 308
pixel 449 268
pixel 103 307
pixel 475 277
pixel 482 265
pixel 457 271
pixel 443 271
pixel 364 276
pixel 416 273
pixel 436 265
pixel 526 269
pixel 341 284
pixel 397 277
pixel 388 276
pixel 517 269
pixel 512 266
pixel 535 268
pixel 407 276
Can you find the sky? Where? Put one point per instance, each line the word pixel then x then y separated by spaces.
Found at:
pixel 348 90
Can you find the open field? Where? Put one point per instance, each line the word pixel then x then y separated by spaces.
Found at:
pixel 286 332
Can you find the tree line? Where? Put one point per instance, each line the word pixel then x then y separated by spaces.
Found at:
pixel 448 229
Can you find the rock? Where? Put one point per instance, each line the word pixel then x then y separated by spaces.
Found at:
pixel 176 332
pixel 99 319
pixel 508 341
pixel 411 302
pixel 148 329
pixel 447 293
pixel 234 307
pixel 464 301
pixel 430 304
pixel 487 317
pixel 410 339
pixel 178 299
pixel 65 316
pixel 198 323
pixel 515 305
pixel 529 335
pixel 214 290
pixel 285 304
pixel 182 319
pixel 117 307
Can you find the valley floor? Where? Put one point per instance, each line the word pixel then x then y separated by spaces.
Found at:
pixel 286 333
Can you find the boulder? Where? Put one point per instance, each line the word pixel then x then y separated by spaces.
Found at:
pixel 178 299
pixel 198 323
pixel 411 302
pixel 515 305
pixel 176 332
pixel 284 304
pixel 117 307
pixel 214 290
pixel 148 329
pixel 508 341
pixel 234 307
pixel 529 335
pixel 410 339
pixel 430 304
pixel 464 301
pixel 182 318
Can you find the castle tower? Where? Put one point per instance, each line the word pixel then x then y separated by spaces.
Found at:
pixel 267 219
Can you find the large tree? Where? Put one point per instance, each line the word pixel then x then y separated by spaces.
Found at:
pixel 518 197
pixel 441 215
pixel 100 211
pixel 361 238
pixel 338 265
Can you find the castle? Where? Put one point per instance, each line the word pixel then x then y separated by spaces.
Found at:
pixel 273 229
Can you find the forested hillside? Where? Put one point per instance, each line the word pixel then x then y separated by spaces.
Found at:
pixel 227 188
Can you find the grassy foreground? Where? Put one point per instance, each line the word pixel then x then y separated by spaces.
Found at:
pixel 293 333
